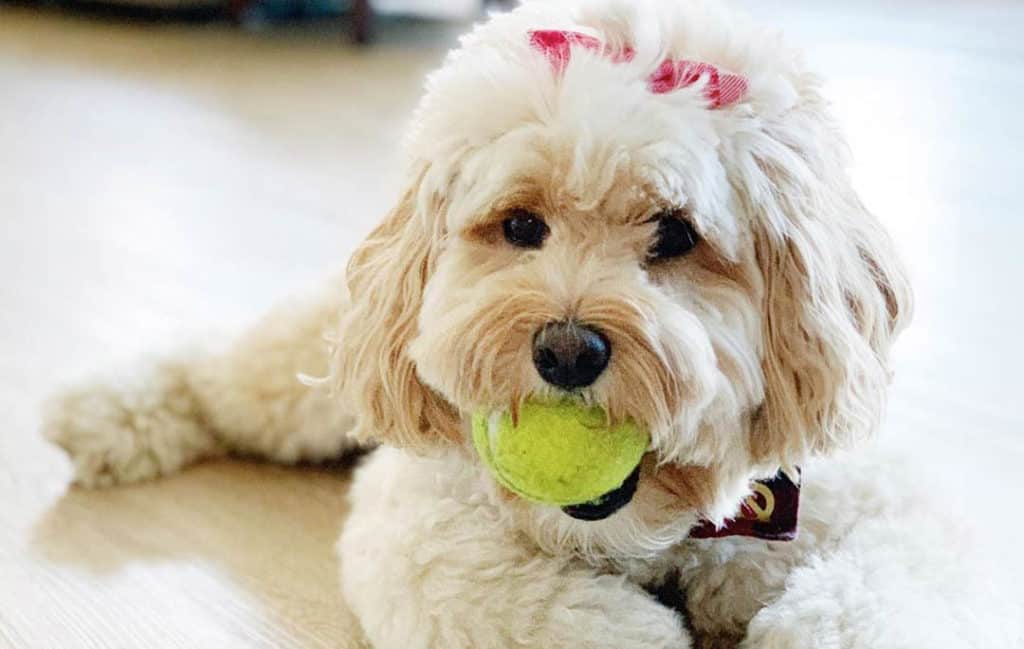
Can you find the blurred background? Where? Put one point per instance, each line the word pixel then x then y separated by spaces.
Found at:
pixel 170 169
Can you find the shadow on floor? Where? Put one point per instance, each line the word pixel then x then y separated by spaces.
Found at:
pixel 270 529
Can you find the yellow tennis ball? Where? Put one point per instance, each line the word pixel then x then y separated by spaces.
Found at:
pixel 559 453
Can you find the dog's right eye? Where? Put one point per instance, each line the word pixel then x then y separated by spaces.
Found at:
pixel 524 229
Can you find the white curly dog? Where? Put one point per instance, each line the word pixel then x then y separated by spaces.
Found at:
pixel 658 187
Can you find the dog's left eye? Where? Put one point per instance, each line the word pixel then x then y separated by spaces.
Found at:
pixel 524 229
pixel 674 238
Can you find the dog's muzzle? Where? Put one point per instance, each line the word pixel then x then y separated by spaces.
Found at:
pixel 607 504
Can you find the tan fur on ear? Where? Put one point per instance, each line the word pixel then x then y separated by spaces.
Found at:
pixel 370 364
pixel 835 293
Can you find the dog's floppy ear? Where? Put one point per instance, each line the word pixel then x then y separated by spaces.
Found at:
pixel 835 293
pixel 371 367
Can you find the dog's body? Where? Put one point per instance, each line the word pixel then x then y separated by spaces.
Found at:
pixel 758 341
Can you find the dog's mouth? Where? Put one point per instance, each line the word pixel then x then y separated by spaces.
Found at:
pixel 608 504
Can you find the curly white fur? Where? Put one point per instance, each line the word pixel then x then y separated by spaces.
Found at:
pixel 766 347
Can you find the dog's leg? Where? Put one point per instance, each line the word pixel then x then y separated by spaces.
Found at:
pixel 245 399
pixel 880 563
pixel 883 591
pixel 904 571
pixel 428 563
pixel 727 581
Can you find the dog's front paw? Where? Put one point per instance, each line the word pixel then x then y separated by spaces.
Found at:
pixel 131 431
pixel 610 613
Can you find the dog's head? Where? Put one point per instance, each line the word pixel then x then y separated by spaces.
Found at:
pixel 645 207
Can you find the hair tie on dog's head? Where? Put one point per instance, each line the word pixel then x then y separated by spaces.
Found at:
pixel 720 89
pixel 556 44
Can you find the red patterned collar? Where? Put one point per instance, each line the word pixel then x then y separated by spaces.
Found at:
pixel 770 512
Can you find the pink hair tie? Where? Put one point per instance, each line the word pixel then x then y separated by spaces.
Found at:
pixel 557 47
pixel 720 89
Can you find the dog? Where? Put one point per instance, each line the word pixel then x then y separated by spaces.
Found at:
pixel 661 182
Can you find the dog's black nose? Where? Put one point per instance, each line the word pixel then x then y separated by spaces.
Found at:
pixel 570 355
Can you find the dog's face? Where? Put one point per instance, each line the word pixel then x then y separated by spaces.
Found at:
pixel 702 269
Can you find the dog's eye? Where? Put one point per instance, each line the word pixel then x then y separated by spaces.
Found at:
pixel 524 229
pixel 674 238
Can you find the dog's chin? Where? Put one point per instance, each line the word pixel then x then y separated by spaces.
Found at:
pixel 606 505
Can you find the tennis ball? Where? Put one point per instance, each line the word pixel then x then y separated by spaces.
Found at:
pixel 558 453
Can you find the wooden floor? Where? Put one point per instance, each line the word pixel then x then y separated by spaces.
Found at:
pixel 162 183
